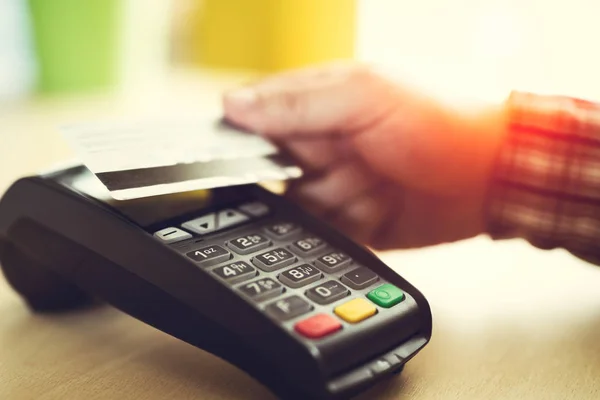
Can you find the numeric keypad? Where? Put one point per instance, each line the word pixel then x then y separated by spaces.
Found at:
pixel 289 272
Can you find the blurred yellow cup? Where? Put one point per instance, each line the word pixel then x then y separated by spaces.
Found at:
pixel 274 35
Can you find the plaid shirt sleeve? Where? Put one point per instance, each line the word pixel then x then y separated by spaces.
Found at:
pixel 546 184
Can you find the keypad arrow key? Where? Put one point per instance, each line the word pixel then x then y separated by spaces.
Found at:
pixel 230 217
pixel 203 225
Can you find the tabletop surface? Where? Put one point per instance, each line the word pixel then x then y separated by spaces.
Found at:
pixel 510 321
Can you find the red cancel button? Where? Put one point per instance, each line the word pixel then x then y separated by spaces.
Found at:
pixel 318 326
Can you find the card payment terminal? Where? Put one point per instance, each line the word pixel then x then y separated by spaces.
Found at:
pixel 237 271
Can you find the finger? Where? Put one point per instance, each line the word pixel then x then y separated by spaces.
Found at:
pixel 324 100
pixel 310 75
pixel 317 154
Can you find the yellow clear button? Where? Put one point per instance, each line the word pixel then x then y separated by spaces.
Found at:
pixel 355 310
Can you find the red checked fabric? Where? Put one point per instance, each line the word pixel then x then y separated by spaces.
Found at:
pixel 546 185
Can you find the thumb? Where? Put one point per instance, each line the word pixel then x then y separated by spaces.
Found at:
pixel 334 98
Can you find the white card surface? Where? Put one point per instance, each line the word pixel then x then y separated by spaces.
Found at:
pixel 136 159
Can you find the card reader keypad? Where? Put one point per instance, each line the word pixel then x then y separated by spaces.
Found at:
pixel 295 276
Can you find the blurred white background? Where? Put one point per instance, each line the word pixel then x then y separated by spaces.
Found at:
pixel 486 47
pixel 476 47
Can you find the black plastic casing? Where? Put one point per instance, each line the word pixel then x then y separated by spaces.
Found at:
pixel 61 249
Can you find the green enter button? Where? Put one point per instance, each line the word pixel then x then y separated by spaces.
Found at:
pixel 386 295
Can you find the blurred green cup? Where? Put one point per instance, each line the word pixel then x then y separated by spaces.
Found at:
pixel 76 43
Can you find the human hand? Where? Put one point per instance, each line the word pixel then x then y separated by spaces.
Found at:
pixel 384 163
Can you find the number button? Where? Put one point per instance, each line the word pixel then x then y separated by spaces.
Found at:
pixel 262 289
pixel 327 292
pixel 360 278
pixel 209 255
pixel 274 259
pixel 248 243
pixel 300 276
pixel 288 308
pixel 333 261
pixel 308 244
pixel 236 272
pixel 282 230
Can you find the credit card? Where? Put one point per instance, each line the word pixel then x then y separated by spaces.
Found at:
pixel 136 159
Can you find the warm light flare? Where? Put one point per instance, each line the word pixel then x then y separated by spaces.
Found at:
pixel 498 34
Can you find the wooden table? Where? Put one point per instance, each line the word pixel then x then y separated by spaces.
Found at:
pixel 510 322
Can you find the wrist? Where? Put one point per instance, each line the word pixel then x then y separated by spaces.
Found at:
pixel 486 125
